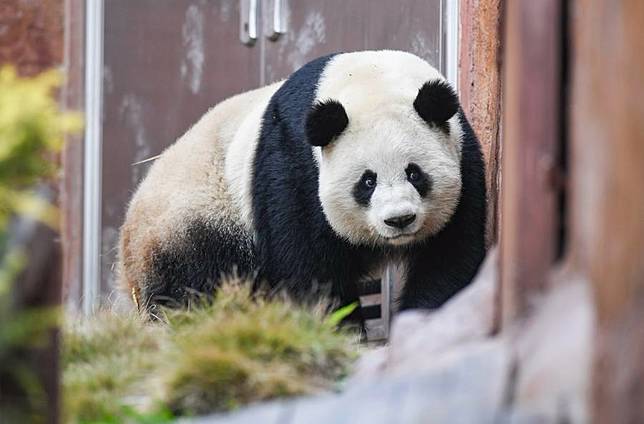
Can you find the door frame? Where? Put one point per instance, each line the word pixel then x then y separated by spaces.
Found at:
pixel 92 184
pixel 450 19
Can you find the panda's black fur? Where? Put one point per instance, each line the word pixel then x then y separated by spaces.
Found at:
pixel 195 268
pixel 295 244
pixel 294 247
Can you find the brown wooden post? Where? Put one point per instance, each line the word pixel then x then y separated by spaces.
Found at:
pixel 71 183
pixel 480 50
pixel 607 207
pixel 530 151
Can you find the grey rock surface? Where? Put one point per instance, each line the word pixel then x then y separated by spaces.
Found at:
pixel 467 388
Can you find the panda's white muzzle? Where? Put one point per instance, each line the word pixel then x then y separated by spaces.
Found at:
pixel 396 212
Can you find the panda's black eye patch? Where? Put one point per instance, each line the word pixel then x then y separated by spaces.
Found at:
pixel 364 188
pixel 419 179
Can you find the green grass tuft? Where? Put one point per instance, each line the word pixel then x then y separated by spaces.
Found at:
pixel 107 361
pixel 215 356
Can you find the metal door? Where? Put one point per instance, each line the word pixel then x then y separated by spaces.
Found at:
pixel 165 63
pixel 314 28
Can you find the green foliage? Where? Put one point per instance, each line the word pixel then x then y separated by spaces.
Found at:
pixel 215 356
pixel 31 128
pixel 340 314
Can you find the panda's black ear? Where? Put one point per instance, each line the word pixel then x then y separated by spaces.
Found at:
pixel 325 121
pixel 436 102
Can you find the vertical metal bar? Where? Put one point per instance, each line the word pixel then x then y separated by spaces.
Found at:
pixel 93 149
pixel 386 309
pixel 451 22
pixel 278 24
pixel 248 21
pixel 252 20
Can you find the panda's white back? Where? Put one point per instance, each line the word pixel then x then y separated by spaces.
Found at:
pixel 188 182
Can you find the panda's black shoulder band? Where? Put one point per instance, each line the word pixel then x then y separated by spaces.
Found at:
pixel 325 121
pixel 436 102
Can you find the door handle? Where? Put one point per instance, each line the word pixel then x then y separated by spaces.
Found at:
pixel 278 24
pixel 248 21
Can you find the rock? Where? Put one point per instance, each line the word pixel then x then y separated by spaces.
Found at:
pixel 267 413
pixel 554 349
pixel 467 387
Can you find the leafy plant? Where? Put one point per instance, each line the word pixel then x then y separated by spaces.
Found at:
pixel 32 127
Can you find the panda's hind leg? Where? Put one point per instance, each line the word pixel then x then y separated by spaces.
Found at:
pixel 195 263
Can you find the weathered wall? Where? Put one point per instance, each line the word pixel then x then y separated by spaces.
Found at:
pixel 31 34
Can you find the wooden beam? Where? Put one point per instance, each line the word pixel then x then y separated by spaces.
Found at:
pixel 532 110
pixel 71 182
pixel 480 87
pixel 607 207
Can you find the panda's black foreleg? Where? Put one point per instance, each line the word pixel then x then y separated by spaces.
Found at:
pixel 195 265
pixel 446 262
pixel 434 277
pixel 340 293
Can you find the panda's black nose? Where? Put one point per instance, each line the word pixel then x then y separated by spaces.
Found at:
pixel 400 222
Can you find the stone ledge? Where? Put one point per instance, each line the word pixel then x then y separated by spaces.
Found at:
pixel 467 387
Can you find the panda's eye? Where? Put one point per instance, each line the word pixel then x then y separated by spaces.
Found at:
pixel 365 187
pixel 414 174
pixel 419 179
pixel 413 177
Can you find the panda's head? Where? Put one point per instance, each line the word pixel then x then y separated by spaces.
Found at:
pixel 389 161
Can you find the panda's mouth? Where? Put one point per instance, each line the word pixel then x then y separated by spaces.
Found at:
pixel 402 237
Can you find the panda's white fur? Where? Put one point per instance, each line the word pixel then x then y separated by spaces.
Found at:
pixel 209 176
pixel 205 174
pixel 240 155
pixel 377 90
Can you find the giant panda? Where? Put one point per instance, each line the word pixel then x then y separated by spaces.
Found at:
pixel 356 160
